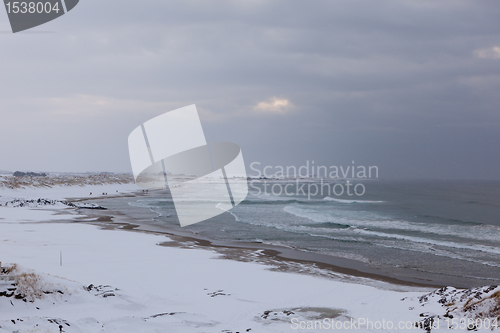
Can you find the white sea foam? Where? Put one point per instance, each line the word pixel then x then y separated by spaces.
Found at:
pixel 373 221
pixel 460 246
pixel 351 201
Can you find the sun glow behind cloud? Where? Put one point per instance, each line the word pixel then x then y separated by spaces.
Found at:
pixel 488 53
pixel 276 105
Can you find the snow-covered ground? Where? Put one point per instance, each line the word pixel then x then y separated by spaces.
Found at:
pixel 122 281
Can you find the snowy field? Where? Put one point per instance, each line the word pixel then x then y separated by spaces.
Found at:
pixel 122 281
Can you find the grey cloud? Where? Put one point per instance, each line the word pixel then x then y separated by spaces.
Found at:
pixel 394 83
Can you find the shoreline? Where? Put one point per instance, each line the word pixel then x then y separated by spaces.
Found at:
pixel 281 258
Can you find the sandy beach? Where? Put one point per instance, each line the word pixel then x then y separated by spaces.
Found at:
pixel 279 257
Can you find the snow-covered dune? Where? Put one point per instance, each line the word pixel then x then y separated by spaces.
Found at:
pixel 66 186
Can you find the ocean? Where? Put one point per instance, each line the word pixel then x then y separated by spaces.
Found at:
pixel 443 231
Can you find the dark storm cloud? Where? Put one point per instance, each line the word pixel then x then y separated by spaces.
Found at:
pixel 410 86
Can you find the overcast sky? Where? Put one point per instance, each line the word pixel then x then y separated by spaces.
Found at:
pixel 410 86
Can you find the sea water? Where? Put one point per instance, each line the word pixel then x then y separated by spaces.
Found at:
pixel 432 230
